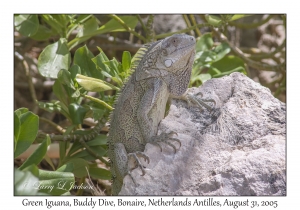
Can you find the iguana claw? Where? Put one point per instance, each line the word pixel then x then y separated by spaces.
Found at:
pixel 137 161
pixel 200 102
pixel 164 138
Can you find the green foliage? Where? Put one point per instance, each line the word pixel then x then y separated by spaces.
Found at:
pixel 54 58
pixel 29 180
pixel 213 60
pixel 37 156
pixel 27 25
pixel 93 84
pixel 217 21
pixel 25 130
pixel 34 181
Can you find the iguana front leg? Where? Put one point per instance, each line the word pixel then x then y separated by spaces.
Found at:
pixel 151 111
pixel 192 98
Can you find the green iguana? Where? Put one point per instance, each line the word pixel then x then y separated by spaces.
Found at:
pixel 163 71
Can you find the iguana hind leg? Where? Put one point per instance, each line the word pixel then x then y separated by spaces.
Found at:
pixel 120 166
pixel 165 138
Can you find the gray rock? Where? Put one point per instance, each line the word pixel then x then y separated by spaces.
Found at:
pixel 237 149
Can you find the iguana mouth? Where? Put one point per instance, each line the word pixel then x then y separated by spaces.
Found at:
pixel 184 47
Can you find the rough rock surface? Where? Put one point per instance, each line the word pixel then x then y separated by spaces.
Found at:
pixel 237 149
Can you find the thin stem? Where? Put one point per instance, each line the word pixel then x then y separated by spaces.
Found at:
pixel 56 126
pixel 127 27
pixel 192 17
pixel 254 64
pixel 81 182
pixel 72 137
pixel 187 21
pixel 87 147
pixel 149 29
pixel 98 101
pixel 141 22
pixel 160 36
pixel 29 80
pixel 271 54
pixel 250 25
pixel 281 88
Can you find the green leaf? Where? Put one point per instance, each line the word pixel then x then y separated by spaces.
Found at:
pixel 97 113
pixel 82 18
pixel 201 78
pixel 126 61
pixel 83 58
pixel 236 17
pixel 76 94
pixel 99 173
pixel 88 27
pixel 77 113
pixel 113 64
pixel 55 182
pixel 63 146
pixel 221 50
pixel 80 167
pixel 228 63
pixel 32 181
pixel 100 150
pixel 46 175
pixel 28 129
pixel 17 124
pixel 69 167
pixel 37 156
pixel 110 26
pixel 54 58
pixel 74 70
pixel 60 92
pixel 27 25
pixel 49 161
pixel 33 169
pixel 74 148
pixel 24 182
pixel 64 76
pixel 226 17
pixel 212 71
pixel 205 42
pixel 94 85
pixel 21 111
pixel 238 69
pixel 63 20
pixel 213 20
pixel 99 140
pixel 115 26
pixel 204 77
pixel 204 57
pixel 99 61
pixel 57 23
pixel 43 33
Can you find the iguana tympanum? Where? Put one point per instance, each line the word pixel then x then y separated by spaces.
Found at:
pixel 163 71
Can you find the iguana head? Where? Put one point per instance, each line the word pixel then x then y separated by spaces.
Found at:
pixel 173 55
pixel 176 52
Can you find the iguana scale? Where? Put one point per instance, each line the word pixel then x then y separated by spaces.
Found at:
pixel 163 71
